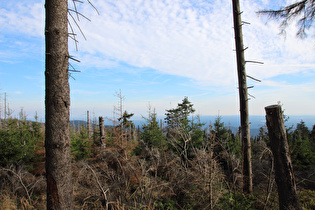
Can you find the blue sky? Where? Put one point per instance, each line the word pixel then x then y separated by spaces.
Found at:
pixel 157 52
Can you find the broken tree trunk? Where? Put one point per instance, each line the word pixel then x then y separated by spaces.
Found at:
pixel 102 132
pixel 89 129
pixel 288 198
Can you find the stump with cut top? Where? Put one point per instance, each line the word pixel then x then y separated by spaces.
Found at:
pixel 288 198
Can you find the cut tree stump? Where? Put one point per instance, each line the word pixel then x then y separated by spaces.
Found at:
pixel 288 198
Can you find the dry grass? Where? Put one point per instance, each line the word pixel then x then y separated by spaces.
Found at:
pixel 7 200
pixel 159 179
pixel 112 181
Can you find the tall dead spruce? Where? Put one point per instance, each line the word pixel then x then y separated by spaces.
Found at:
pixel 57 104
pixel 243 94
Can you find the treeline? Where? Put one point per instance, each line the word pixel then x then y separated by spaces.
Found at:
pixel 179 165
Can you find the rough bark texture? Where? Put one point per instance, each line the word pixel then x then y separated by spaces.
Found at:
pixel 89 129
pixel 288 198
pixel 245 132
pixel 102 132
pixel 57 104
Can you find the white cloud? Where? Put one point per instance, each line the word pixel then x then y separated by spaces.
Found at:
pixel 297 99
pixel 185 38
pixel 194 41
pixel 167 36
pixel 23 17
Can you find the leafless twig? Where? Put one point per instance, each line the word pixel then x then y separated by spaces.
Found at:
pixel 93 7
pixel 21 182
pixel 99 185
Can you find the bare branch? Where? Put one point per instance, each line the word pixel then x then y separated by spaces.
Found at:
pixel 98 183
pixel 71 76
pixel 251 95
pixel 253 78
pixel 75 8
pixel 77 25
pixel 73 69
pixel 71 57
pixel 93 7
pixel 21 182
pixel 72 35
pixel 78 13
pixel 78 1
pixel 258 62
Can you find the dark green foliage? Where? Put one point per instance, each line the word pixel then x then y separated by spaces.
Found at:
pixel 167 172
pixel 150 136
pixel 179 116
pixel 263 135
pixel 313 137
pixel 237 201
pixel 226 139
pixel 80 144
pixel 197 135
pixel 219 130
pixel 125 121
pixel 183 129
pixel 166 204
pixel 151 133
pixel 302 148
pixel 307 199
pixel 184 133
pixel 313 133
pixel 302 11
pixel 301 143
pixel 19 140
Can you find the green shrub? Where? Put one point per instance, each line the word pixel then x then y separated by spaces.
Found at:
pixel 307 199
pixel 80 145
pixel 166 204
pixel 237 201
pixel 19 141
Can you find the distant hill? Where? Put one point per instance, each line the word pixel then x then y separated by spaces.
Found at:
pixel 230 121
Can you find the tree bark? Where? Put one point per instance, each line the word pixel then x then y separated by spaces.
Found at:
pixel 57 105
pixel 245 132
pixel 89 127
pixel 102 132
pixel 288 198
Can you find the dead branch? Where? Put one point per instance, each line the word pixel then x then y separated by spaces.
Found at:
pixel 19 176
pixel 77 24
pixel 93 7
pixel 99 185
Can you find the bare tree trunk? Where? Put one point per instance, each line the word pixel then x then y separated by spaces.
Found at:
pixel 5 106
pixel 102 132
pixel 57 104
pixel 288 198
pixel 245 132
pixel 0 113
pixel 89 127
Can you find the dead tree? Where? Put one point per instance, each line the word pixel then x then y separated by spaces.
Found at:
pixel 57 105
pixel 102 131
pixel 288 198
pixel 89 127
pixel 242 85
pixel 0 113
pixel 5 106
